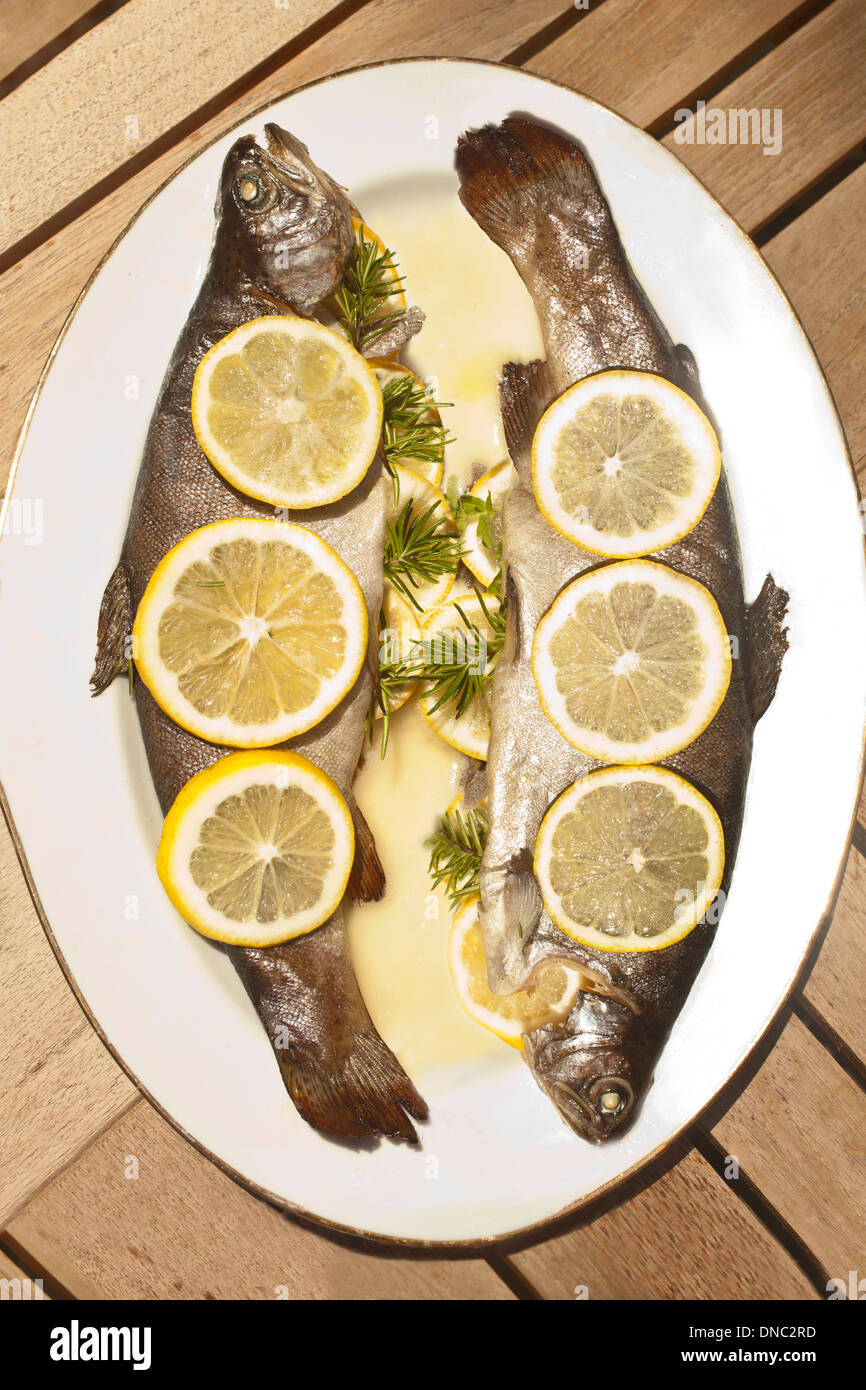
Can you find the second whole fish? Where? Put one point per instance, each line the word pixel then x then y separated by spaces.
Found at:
pixel 283 236
pixel 535 194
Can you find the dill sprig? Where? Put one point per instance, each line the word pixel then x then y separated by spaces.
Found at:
pixel 466 509
pixel 409 434
pixel 369 281
pixel 456 847
pixel 417 550
pixel 466 675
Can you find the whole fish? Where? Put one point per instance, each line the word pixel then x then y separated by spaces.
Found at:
pixel 534 193
pixel 283 235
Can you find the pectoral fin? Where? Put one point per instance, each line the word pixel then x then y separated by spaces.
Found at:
pixel 396 335
pixel 766 642
pixel 367 879
pixel 112 633
pixel 525 391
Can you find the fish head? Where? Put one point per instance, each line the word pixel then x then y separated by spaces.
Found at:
pixel 594 1066
pixel 286 223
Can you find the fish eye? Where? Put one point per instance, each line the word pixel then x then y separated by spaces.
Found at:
pixel 251 190
pixel 613 1096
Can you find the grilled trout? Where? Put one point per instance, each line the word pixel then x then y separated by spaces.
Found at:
pixel 283 235
pixel 534 193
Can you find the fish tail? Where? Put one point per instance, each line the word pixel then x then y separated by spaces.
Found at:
pixel 525 391
pixel 766 644
pixel 113 629
pixel 367 879
pixel 341 1075
pixel 370 1095
pixel 509 171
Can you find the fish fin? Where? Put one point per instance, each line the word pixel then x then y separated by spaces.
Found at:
pixel 113 629
pixel 369 1095
pixel 506 171
pixel 341 1076
pixel 766 644
pixel 397 334
pixel 525 391
pixel 367 878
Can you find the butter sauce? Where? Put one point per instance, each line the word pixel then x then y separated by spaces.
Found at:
pixel 478 316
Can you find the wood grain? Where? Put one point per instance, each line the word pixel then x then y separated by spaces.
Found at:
pixel 814 79
pixel 819 260
pixel 20 1285
pixel 25 28
pixel 220 44
pixel 799 1132
pixel 181 1230
pixel 645 59
pixel 112 93
pixel 58 1085
pixel 686 1236
pixel 835 986
pixel 37 292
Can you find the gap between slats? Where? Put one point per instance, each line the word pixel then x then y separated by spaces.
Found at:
pixel 44 54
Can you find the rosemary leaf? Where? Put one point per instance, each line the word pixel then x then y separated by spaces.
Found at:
pixel 456 847
pixel 417 550
pixel 369 281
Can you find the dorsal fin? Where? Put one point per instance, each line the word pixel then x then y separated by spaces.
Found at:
pixel 766 644
pixel 525 391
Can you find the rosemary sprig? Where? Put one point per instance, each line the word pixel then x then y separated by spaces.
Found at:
pixel 408 432
pixel 466 675
pixel 368 283
pixel 456 847
pixel 417 550
pixel 394 672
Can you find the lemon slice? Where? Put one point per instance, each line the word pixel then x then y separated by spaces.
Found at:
pixel 398 635
pixel 631 661
pixel 460 634
pixel 418 496
pixel 481 559
pixel 624 463
pixel 287 411
pixel 250 631
pixel 397 299
pixel 387 372
pixel 509 1016
pixel 257 848
pixel 629 859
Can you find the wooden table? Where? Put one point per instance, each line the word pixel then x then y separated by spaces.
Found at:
pixel 99 105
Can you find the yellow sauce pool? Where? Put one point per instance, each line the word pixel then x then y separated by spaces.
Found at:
pixel 478 316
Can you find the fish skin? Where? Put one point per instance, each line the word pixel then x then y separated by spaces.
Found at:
pixel 340 1074
pixel 533 191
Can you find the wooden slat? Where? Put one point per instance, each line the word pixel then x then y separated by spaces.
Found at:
pixel 835 986
pixel 799 1132
pixel 36 294
pixel 220 44
pixel 26 28
pixel 28 1288
pixel 819 260
pixel 814 79
pixel 182 1229
pixel 644 58
pixel 686 1236
pixel 120 87
pixel 58 1085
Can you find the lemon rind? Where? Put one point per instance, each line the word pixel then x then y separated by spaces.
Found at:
pixel 216 775
pixel 629 945
pixel 181 711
